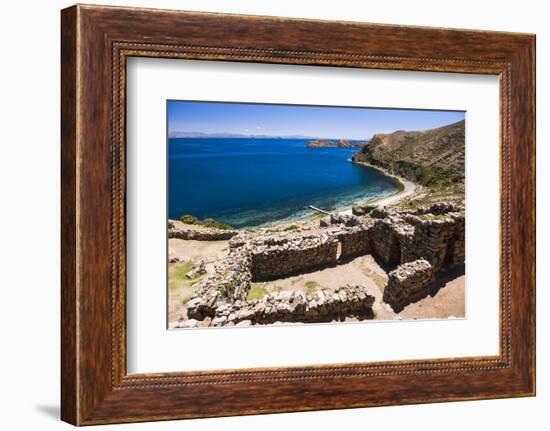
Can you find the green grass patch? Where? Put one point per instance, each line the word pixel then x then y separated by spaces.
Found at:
pixel 310 285
pixel 283 229
pixel 291 227
pixel 178 272
pixel 216 224
pixel 177 276
pixel 207 222
pixel 257 291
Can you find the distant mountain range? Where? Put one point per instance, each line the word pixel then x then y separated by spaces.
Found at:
pixel 233 135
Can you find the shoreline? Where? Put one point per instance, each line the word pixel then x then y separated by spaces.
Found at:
pixel 406 189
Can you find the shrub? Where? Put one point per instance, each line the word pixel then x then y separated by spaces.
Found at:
pixel 291 227
pixel 207 222
pixel 215 224
pixel 189 219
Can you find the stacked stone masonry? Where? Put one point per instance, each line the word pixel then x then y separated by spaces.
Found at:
pixel 408 282
pixel 177 229
pixel 320 306
pixel 283 258
pixel 413 245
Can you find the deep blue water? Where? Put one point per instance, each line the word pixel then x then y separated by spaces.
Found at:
pixel 249 182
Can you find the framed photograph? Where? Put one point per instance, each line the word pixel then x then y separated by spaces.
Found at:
pixel 278 227
pixel 264 215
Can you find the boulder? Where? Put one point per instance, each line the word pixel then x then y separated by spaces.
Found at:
pixel 244 323
pixel 199 269
pixel 379 213
pixel 361 210
pixel 189 323
pixel 324 222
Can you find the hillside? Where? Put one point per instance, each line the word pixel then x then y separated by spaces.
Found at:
pixel 433 158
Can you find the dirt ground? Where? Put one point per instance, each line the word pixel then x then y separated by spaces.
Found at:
pixel 195 250
pixel 447 303
pixel 180 287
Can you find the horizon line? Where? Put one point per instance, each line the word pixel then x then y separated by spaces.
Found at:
pixel 229 135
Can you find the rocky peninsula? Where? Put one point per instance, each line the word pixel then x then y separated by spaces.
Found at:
pixel 327 143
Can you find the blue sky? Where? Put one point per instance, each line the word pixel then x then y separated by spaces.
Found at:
pixel 316 121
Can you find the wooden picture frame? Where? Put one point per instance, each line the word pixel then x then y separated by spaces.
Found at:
pixel 95 43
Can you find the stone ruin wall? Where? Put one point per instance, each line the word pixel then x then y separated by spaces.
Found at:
pixel 177 229
pixel 407 283
pixel 354 241
pixel 320 306
pixel 386 244
pixel 284 260
pixel 432 236
pixel 440 241
pixel 417 244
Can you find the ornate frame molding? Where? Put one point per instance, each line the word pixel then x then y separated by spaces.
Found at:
pixel 96 41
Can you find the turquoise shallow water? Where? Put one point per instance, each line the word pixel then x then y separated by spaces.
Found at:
pixel 250 182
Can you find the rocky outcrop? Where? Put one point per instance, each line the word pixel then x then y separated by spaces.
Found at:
pixel 364 209
pixel 178 229
pixel 337 219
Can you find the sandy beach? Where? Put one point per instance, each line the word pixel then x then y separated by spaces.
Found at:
pixel 408 189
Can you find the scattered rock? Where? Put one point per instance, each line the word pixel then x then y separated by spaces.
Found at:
pixel 189 323
pixel 379 213
pixel 325 222
pixel 244 323
pixel 218 321
pixel 197 270
pixel 361 210
pixel 345 219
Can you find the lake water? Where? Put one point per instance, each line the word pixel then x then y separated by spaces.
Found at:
pixel 250 182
